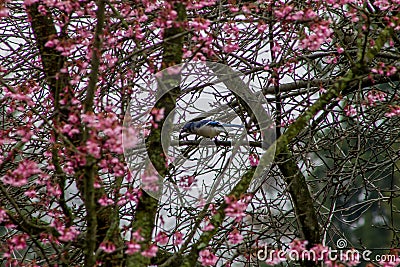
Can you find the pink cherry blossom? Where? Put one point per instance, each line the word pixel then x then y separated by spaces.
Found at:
pixel 4 12
pixel 178 238
pixel 68 234
pixel 391 70
pixel 207 258
pixel 320 33
pixel 187 182
pixel 130 137
pixel 199 24
pixel 107 247
pixel 171 71
pixel 254 160
pixel 133 195
pixel 25 133
pixel 3 215
pixel 150 182
pixel 136 236
pixel 350 111
pixel 233 8
pixel 382 4
pixel 70 130
pixel 236 208
pixel 73 118
pixel 230 47
pixel 52 43
pixel 29 2
pixel 150 252
pixel 394 111
pixel 208 227
pixel 374 96
pixel 158 114
pixel 235 237
pixel 105 201
pixel 53 189
pixel 283 12
pixel 162 238
pixel 340 49
pixel 132 247
pixel 17 242
pixel 199 4
pixel 42 10
pixel 30 193
pixel 19 176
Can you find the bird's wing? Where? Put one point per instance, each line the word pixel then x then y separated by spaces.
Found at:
pixel 214 123
pixel 233 125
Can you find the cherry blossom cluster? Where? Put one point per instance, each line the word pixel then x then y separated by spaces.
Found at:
pixel 162 238
pixel 15 243
pixel 319 34
pixel 350 111
pixel 187 182
pixel 207 258
pixel 150 182
pixel 105 140
pixel 157 116
pixel 254 160
pixel 20 175
pixel 382 69
pixel 236 208
pixel 134 247
pixel 20 98
pixel 66 233
pixel 385 5
pixel 394 110
pixel 374 98
pixel 288 13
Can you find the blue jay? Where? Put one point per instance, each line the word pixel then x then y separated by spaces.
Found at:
pixel 207 128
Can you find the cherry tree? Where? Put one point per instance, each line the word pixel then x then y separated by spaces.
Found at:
pixel 94 170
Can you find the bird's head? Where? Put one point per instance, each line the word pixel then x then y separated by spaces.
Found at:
pixel 185 131
pixel 186 128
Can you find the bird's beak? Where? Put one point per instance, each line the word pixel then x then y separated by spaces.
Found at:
pixel 182 132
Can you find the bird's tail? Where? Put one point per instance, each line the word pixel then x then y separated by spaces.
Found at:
pixel 232 125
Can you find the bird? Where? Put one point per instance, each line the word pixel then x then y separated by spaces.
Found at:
pixel 207 128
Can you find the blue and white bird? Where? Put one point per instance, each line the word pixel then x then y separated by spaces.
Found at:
pixel 207 128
